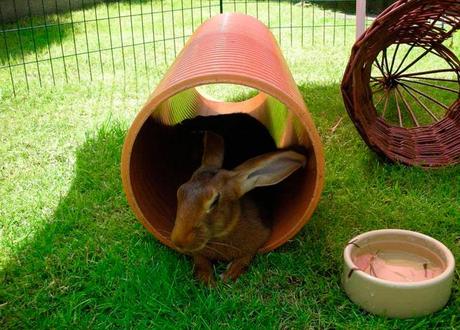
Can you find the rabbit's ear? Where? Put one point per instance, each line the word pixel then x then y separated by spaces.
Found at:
pixel 267 169
pixel 213 150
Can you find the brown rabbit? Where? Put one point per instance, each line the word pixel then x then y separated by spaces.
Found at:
pixel 216 219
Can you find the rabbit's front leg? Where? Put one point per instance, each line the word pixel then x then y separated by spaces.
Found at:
pixel 203 269
pixel 236 268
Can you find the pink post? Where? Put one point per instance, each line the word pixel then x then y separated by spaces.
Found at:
pixel 360 17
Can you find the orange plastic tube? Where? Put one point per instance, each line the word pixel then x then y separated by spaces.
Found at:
pixel 228 48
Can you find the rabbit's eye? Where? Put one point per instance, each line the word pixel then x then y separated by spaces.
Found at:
pixel 215 202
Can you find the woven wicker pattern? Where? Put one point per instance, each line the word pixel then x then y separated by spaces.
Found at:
pixel 401 87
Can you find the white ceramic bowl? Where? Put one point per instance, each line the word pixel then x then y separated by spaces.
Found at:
pixel 394 298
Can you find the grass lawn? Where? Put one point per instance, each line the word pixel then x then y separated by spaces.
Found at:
pixel 72 254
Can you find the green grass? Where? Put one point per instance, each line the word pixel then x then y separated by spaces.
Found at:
pixel 73 255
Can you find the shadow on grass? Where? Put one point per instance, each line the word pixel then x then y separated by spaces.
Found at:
pixel 17 40
pixel 92 261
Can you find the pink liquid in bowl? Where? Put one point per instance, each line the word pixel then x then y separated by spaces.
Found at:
pixel 398 262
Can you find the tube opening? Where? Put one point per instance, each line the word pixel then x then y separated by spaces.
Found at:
pixel 168 149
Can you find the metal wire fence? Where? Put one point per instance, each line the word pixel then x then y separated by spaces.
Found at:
pixel 49 42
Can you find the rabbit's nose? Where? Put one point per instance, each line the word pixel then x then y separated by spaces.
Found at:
pixel 182 241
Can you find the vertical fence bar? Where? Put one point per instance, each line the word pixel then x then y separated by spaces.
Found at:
pixel 74 40
pixel 60 42
pixel 301 23
pixel 7 52
pixel 221 6
pixel 87 41
pixel 110 37
pixel 133 40
pixel 279 21
pixel 48 43
pixel 121 38
pixel 324 26
pixel 153 33
pixel 143 43
pixel 191 11
pixel 292 32
pixel 335 23
pixel 32 28
pixel 268 13
pixel 163 30
pixel 360 17
pixel 173 28
pixel 201 11
pixel 20 44
pixel 313 25
pixel 183 22
pixel 98 38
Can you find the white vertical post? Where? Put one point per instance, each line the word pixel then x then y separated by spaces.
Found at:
pixel 360 17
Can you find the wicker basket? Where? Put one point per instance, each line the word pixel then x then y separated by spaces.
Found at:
pixel 401 87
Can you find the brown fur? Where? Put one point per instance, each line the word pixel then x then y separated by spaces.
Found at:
pixel 216 219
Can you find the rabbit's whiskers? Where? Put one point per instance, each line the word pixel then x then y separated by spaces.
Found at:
pixel 224 244
pixel 210 249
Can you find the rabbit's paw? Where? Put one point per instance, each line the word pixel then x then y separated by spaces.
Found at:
pixel 203 270
pixel 236 268
pixel 205 277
